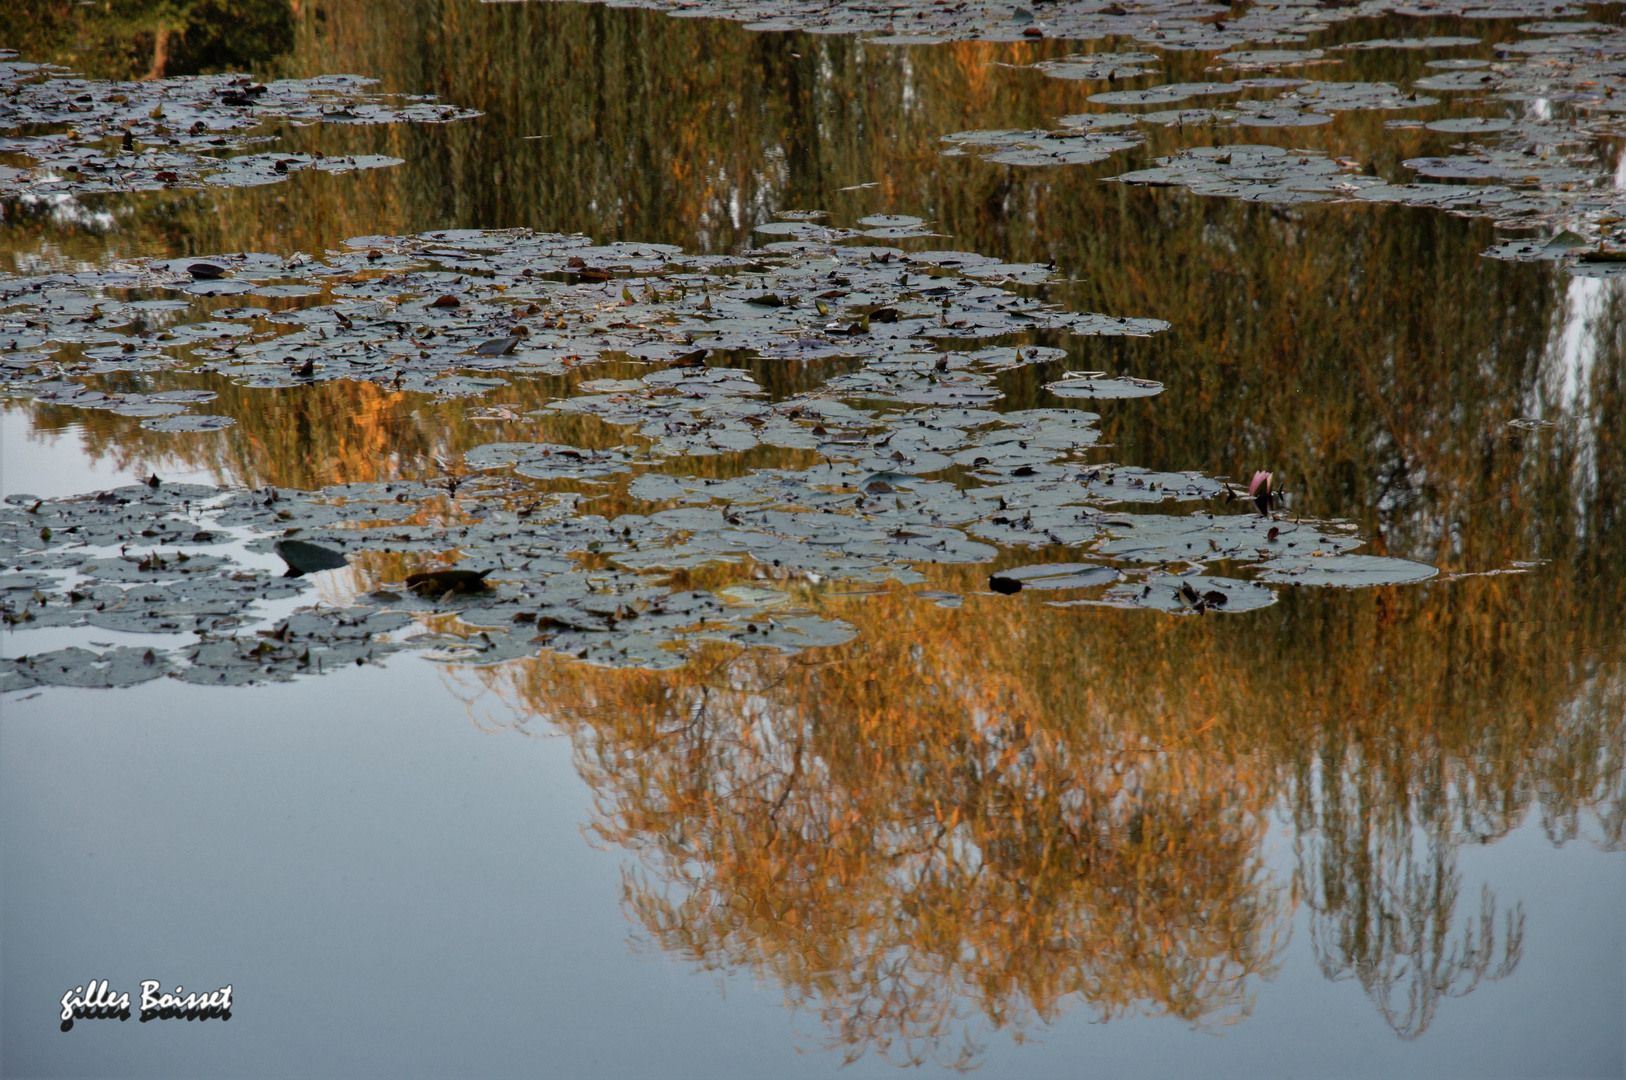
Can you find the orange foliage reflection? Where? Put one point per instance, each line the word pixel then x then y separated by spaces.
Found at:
pixel 972 820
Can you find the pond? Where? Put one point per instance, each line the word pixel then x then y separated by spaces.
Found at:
pixel 753 538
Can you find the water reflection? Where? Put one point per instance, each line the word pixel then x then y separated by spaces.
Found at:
pixel 897 836
pixel 152 39
pixel 975 820
pixel 1368 354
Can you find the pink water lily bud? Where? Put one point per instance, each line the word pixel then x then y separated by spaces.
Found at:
pixel 1259 479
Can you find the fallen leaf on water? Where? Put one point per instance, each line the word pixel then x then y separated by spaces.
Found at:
pixel 304 557
pixel 444 581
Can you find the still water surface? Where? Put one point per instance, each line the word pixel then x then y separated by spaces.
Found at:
pixel 1358 832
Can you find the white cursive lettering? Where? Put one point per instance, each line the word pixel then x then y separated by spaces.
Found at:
pixel 96 1000
pixel 158 1005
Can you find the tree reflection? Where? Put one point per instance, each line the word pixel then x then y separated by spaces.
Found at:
pixel 152 39
pixel 1383 900
pixel 1368 355
pixel 905 863
pixel 970 821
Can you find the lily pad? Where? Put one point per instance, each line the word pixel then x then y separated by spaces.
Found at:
pixel 1066 147
pixel 1410 43
pixel 1096 384
pixel 1092 66
pixel 306 558
pixel 1189 594
pixel 1470 125
pixel 890 221
pixel 1347 571
pixel 1162 95
pixel 1052 577
pixel 1270 57
pixel 1255 173
pixel 188 422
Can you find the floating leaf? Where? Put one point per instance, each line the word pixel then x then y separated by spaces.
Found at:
pixel 307 558
pixel 1347 571
pixel 1052 577
pixel 1470 125
pixel 444 581
pixel 1096 384
pixel 189 422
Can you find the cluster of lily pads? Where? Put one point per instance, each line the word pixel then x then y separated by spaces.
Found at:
pixel 90 135
pixel 535 573
pixel 451 312
pixel 1166 24
pixel 911 466
pixel 140 560
pixel 1527 164
pixel 1297 102
pixel 1087 138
